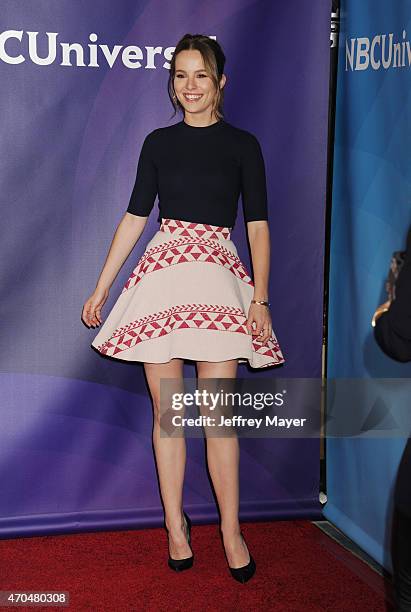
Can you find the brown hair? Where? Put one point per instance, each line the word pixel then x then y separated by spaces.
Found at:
pixel 214 61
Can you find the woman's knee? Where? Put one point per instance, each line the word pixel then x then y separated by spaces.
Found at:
pixel 163 379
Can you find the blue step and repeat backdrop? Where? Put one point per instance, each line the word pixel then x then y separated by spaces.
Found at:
pixel 75 442
pixel 371 214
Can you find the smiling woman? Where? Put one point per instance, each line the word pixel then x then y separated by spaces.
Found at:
pixel 190 296
pixel 196 82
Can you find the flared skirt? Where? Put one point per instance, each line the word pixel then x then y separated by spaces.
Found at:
pixel 187 297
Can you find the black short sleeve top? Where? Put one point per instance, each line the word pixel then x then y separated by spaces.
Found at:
pixel 199 173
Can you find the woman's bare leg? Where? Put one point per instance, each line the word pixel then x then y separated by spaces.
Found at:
pixel 223 456
pixel 170 454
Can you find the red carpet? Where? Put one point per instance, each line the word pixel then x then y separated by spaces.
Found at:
pixel 299 569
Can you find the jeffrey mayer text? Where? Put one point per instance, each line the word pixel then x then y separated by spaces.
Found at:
pixel 207 421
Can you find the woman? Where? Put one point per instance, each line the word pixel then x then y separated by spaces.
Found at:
pixel 190 296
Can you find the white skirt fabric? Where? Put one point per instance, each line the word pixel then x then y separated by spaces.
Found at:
pixel 187 297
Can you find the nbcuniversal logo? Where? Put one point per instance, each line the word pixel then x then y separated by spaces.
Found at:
pixel 17 46
pixel 363 53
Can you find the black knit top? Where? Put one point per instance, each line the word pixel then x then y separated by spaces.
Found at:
pixel 199 173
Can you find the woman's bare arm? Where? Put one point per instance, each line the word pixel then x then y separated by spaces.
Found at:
pixel 125 237
pixel 259 237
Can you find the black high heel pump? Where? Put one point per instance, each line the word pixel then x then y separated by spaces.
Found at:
pixel 178 565
pixel 244 573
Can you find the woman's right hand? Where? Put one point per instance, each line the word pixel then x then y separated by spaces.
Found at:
pixel 91 315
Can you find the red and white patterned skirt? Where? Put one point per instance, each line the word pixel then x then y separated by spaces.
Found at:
pixel 187 297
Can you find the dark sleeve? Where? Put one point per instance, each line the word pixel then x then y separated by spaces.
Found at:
pixel 145 186
pixel 392 329
pixel 253 181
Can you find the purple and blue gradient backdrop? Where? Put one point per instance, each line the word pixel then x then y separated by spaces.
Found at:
pixel 75 442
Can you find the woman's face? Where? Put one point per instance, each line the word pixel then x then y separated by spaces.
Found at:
pixel 193 85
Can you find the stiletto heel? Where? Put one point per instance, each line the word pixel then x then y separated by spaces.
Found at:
pixel 178 565
pixel 244 573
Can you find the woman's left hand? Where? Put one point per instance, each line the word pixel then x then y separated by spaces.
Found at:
pixel 260 315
